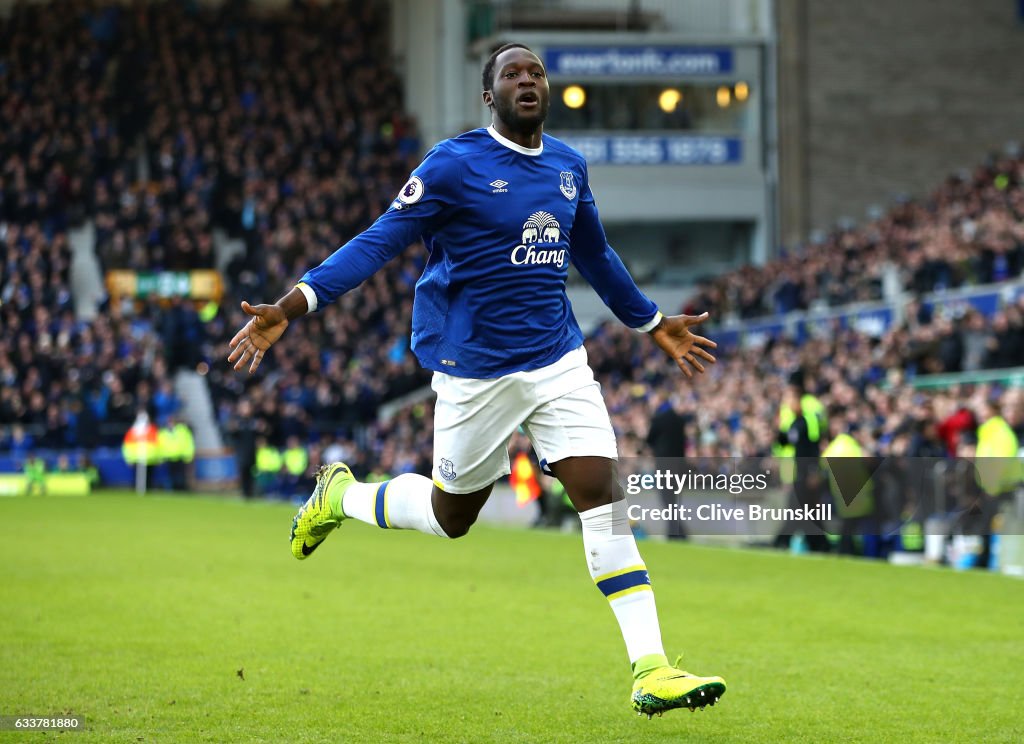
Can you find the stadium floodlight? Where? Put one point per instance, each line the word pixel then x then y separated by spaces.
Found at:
pixel 574 96
pixel 669 100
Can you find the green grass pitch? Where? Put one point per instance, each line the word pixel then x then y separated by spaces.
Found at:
pixel 145 614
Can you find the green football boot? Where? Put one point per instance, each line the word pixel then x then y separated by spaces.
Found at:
pixel 667 687
pixel 316 519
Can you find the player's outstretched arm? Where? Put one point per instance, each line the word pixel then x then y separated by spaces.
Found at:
pixel 265 327
pixel 682 345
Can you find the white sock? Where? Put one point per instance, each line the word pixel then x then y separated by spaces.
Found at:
pixel 619 572
pixel 402 503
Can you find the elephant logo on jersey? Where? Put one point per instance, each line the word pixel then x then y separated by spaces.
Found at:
pixel 540 227
pixel 568 185
pixel 446 469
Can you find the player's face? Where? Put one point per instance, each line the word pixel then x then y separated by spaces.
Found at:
pixel 520 92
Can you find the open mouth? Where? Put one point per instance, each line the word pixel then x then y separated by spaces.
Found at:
pixel 528 100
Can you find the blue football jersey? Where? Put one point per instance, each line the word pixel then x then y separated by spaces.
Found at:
pixel 501 223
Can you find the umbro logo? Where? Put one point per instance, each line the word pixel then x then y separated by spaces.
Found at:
pixel 499 186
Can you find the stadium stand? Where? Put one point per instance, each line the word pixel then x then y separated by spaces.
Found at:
pixel 166 124
pixel 284 164
pixel 968 231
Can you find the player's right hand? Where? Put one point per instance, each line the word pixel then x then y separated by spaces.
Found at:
pixel 267 324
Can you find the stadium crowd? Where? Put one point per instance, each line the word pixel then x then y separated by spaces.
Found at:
pixel 731 417
pixel 168 124
pixel 235 132
pixel 968 231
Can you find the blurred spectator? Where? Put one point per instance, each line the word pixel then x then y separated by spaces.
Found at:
pixel 243 430
pixel 666 438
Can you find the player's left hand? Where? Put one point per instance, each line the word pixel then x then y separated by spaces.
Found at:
pixel 683 346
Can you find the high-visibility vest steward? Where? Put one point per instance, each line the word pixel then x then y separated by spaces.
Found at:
pixel 141 445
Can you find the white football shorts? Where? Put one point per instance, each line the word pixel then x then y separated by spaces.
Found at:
pixel 559 407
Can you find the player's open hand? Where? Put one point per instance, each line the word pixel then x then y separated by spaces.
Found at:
pixel 267 324
pixel 681 344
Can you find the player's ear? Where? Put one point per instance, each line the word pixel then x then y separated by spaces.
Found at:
pixel 488 98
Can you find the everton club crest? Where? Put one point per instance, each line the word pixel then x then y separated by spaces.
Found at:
pixel 568 185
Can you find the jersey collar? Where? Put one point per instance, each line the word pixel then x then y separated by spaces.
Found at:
pixel 532 151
